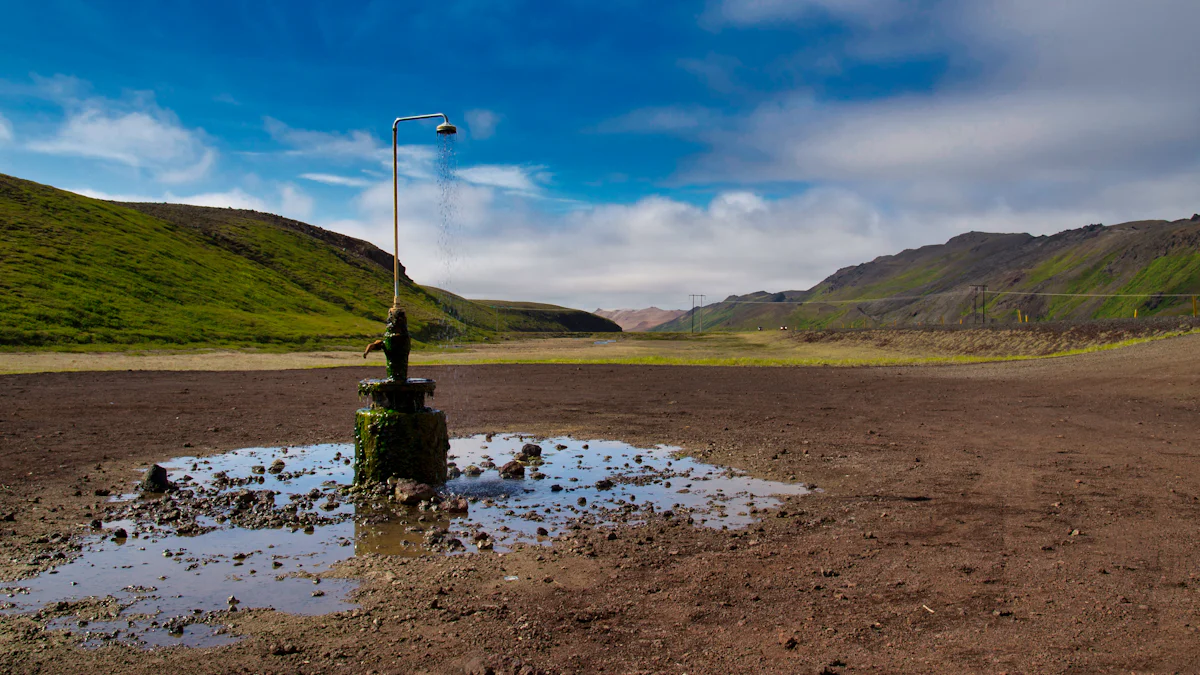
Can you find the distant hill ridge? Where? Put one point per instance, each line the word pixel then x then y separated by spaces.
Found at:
pixel 1152 260
pixel 633 320
pixel 82 271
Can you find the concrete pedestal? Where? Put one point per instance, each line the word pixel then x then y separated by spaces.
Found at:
pixel 390 443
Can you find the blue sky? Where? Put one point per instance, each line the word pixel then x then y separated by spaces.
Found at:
pixel 620 153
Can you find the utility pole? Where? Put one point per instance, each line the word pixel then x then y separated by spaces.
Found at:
pixel 979 302
pixel 702 314
pixel 693 296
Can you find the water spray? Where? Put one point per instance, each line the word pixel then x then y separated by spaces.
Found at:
pixel 445 129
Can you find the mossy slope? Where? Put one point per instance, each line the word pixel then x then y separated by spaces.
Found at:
pixel 932 284
pixel 76 271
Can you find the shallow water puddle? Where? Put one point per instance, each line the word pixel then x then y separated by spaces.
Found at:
pixel 259 527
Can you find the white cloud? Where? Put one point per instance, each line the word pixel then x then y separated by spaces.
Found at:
pixel 331 179
pixel 482 123
pixel 751 12
pixel 413 161
pixel 356 144
pixel 655 251
pixel 294 203
pixel 136 132
pixel 715 70
pixel 288 201
pixel 667 119
pixel 6 130
pixel 510 177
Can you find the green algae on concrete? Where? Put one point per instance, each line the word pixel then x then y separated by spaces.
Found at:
pixel 412 445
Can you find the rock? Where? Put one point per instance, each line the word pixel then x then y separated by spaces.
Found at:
pixel 411 493
pixel 537 475
pixel 543 532
pixel 513 469
pixel 102 492
pixel 155 480
pixel 453 472
pixel 284 649
pixel 276 466
pixel 529 451
pixel 120 533
pixel 560 446
pixel 456 505
pixel 603 484
pixel 556 488
pixel 472 470
pixel 258 468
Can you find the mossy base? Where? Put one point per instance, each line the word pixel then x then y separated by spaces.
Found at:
pixel 388 443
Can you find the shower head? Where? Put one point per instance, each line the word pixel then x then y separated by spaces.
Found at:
pixel 447 129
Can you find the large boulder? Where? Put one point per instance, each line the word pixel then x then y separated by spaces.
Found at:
pixel 411 492
pixel 529 451
pixel 155 480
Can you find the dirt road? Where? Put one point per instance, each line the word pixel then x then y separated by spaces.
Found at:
pixel 1028 517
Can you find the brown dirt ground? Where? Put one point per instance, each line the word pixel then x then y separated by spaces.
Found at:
pixel 1024 517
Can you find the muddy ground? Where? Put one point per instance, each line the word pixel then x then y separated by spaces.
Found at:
pixel 1026 517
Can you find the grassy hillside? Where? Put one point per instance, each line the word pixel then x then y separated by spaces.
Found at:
pixel 76 271
pixel 1147 260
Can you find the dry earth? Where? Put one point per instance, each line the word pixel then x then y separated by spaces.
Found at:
pixel 1024 517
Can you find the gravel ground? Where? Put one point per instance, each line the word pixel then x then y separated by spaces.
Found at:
pixel 1024 517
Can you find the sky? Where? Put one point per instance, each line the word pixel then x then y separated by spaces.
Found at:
pixel 620 153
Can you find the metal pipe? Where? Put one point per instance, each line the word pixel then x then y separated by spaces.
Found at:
pixel 445 128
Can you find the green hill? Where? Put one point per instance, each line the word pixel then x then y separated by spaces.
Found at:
pixel 1058 277
pixel 80 271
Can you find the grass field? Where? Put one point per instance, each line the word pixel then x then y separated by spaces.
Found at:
pixel 816 348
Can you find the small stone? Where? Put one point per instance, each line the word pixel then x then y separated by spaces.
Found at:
pixel 556 488
pixel 456 505
pixel 543 532
pixel 472 470
pixel 276 466
pixel 604 484
pixel 284 649
pixel 258 468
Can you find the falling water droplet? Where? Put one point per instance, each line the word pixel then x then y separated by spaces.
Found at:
pixel 447 181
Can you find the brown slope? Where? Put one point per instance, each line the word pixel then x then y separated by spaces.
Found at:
pixel 632 320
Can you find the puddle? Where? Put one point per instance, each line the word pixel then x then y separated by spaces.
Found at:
pixel 261 525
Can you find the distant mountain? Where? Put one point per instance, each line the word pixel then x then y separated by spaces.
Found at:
pixel 631 320
pixel 82 271
pixel 932 284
